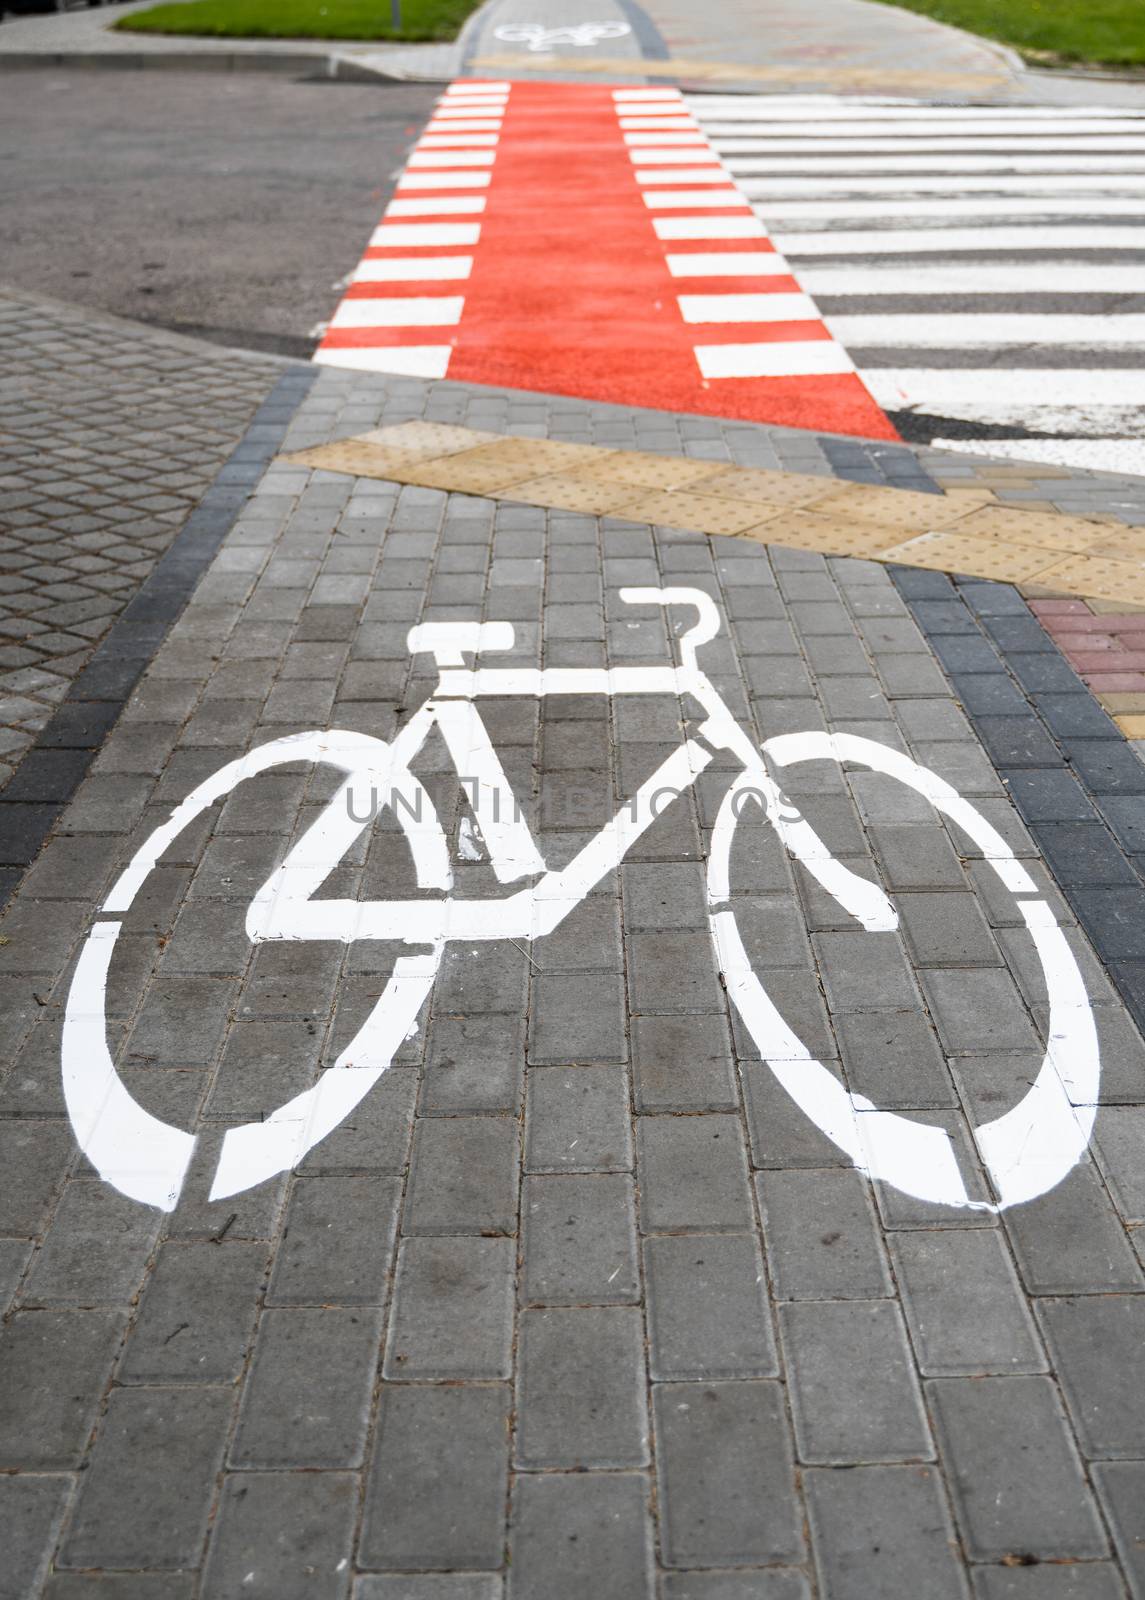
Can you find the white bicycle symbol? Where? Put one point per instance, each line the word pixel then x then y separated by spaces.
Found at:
pixel 581 34
pixel 1026 1151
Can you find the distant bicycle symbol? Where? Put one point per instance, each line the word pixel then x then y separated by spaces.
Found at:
pixel 581 34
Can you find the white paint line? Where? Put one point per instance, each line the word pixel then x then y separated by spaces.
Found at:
pixel 411 360
pixel 908 209
pixel 512 849
pixel 456 113
pixel 404 235
pixel 747 308
pixel 452 158
pixel 815 110
pixel 413 269
pixel 459 141
pixel 896 145
pixel 947 165
pixel 669 156
pixel 728 264
pixel 682 176
pixel 709 228
pixel 412 311
pixel 968 330
pixel 977 277
pixel 648 94
pixel 466 125
pixel 911 241
pixel 665 139
pixel 999 388
pixel 444 180
pixel 479 86
pixel 777 358
pixel 683 121
pixel 955 183
pixel 678 199
pixel 440 205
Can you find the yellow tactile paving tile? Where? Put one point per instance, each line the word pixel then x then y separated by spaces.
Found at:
pixel 963 530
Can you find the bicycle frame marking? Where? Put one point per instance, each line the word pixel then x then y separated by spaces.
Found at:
pixel 1026 1151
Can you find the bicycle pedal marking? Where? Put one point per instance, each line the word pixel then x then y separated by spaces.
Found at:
pixel 1026 1151
pixel 582 35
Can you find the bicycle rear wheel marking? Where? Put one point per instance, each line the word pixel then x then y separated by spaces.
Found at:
pixel 1029 1149
pixel 147 1159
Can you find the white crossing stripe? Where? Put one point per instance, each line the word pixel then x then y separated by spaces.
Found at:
pixel 695 137
pixel 681 121
pixel 411 360
pixel 678 199
pixel 485 86
pixel 1002 162
pixel 904 134
pixel 412 312
pixel 452 158
pixel 456 141
pixel 955 183
pixel 728 264
pixel 817 109
pixel 966 330
pixel 709 228
pixel 1008 389
pixel 681 175
pixel 780 358
pixel 908 207
pixel 911 241
pixel 1019 145
pixel 666 158
pixel 466 125
pixel 457 113
pixel 438 205
pixel 443 180
pixel 413 269
pixel 748 308
pixel 976 277
pixel 403 235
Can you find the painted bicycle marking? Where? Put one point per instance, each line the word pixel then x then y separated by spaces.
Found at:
pixel 582 35
pixel 1026 1151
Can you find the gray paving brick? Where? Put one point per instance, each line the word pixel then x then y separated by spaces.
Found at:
pixel 821 1235
pixel 781 1134
pixel 337 1241
pixel 977 1009
pixel 249 1556
pixel 121 1586
pixel 430 1586
pixel 1094 1341
pixel 883 1530
pixel 14 1255
pixel 964 1305
pixel 475 1063
pixel 147 1496
pixel 577 1120
pixel 435 1499
pixel 671 972
pixel 726 1476
pixel 579 1240
pixel 760 1583
pixel 1013 1470
pixel 578 1534
pixel 36 1156
pixel 682 1063
pixel 306 1400
pixel 1117 1140
pixel 576 1017
pixel 95 1251
pixel 1121 1487
pixel 1077 1581
pixel 864 972
pixel 946 929
pixel 375 1136
pixel 463 1176
pixel 707 1308
pixel 31 1510
pixel 54 1367
pixel 894 1059
pixel 453 1309
pixel 197 1314
pixel 1070 1241
pixel 693 1174
pixel 581 1389
pixel 854 1394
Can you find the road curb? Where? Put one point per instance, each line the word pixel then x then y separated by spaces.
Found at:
pixel 288 65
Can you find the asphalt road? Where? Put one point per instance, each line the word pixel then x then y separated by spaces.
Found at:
pixel 228 207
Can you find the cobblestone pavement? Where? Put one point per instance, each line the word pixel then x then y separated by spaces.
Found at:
pixel 576 1301
pixel 109 434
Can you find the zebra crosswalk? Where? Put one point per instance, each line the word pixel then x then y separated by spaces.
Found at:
pixel 983 266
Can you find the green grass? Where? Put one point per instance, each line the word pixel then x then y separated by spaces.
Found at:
pixel 1105 32
pixel 303 19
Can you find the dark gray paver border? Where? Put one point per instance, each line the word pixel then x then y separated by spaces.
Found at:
pixel 1075 781
pixel 56 764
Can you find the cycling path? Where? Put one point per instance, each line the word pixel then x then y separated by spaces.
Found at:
pixel 577 1299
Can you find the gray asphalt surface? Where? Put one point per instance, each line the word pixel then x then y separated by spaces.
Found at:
pixel 229 207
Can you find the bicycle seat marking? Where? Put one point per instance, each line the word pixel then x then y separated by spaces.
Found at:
pixel 1026 1151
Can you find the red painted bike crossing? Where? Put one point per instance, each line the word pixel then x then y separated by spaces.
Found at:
pixel 586 241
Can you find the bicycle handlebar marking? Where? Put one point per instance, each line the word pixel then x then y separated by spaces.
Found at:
pixel 1026 1151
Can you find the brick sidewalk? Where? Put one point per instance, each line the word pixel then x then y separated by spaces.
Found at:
pixel 576 1301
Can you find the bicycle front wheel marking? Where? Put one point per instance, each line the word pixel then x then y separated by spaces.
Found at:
pixel 1029 1149
pixel 147 1159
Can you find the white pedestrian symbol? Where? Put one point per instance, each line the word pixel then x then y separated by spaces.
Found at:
pixel 583 35
pixel 1026 1151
